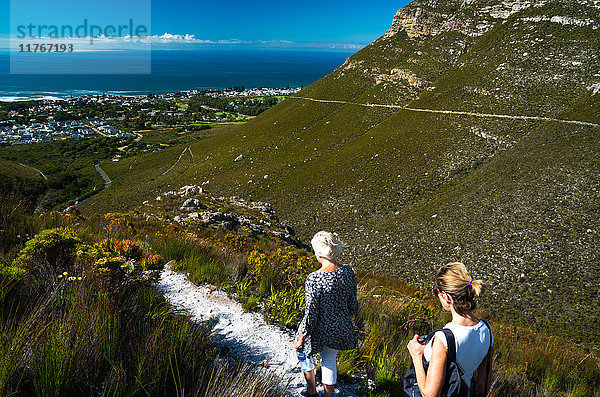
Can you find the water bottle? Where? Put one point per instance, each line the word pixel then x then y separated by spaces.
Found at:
pixel 304 365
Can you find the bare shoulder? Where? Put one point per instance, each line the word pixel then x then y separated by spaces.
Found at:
pixel 438 343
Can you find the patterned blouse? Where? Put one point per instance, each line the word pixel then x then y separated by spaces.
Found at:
pixel 330 303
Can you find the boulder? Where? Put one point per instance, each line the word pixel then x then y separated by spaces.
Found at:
pixel 192 204
pixel 190 189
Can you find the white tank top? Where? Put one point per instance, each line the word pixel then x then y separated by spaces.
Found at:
pixel 472 344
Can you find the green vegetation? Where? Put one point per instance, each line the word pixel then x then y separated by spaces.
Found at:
pixel 245 106
pixel 436 165
pixel 263 273
pixel 516 200
pixel 80 316
pixel 67 167
pixel 526 363
pixel 163 138
pixel 95 267
pixel 484 78
pixel 22 180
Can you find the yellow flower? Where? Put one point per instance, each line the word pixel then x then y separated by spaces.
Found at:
pixel 65 273
pixel 79 278
pixel 60 276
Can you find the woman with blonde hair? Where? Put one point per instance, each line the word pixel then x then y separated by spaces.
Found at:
pixel 473 337
pixel 327 323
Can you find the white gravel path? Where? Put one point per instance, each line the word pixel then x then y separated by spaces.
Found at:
pixel 246 335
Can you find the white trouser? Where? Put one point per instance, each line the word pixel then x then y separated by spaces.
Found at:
pixel 328 366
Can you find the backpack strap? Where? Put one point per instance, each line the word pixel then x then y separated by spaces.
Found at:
pixel 489 358
pixel 489 329
pixel 452 349
pixel 451 344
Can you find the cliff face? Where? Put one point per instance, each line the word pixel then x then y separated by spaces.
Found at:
pixel 470 17
pixel 469 131
pixel 415 22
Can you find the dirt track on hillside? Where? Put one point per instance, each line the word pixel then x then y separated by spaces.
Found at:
pixel 455 112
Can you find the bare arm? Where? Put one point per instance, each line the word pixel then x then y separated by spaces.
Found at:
pixel 430 383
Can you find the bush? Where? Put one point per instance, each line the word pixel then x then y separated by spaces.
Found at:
pixel 151 262
pixel 49 253
pixel 125 248
pixel 11 272
pixel 16 223
pixel 286 307
pixel 56 253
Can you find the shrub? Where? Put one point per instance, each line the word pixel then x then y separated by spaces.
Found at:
pixel 11 272
pixel 261 269
pixel 281 270
pixel 118 224
pixel 15 222
pixel 286 307
pixel 151 262
pixel 112 266
pixel 50 252
pixel 88 336
pixel 56 253
pixel 125 248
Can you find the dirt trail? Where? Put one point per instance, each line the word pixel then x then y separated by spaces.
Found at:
pixel 35 169
pixel 456 112
pixel 179 158
pixel 245 335
pixel 107 183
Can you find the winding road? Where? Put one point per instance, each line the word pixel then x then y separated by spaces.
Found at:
pixel 107 183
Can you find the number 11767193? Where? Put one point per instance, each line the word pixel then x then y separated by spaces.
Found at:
pixel 45 47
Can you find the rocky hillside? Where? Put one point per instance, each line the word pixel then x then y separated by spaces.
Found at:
pixel 469 131
pixel 192 206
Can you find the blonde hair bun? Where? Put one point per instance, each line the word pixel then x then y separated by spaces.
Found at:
pixel 454 279
pixel 477 287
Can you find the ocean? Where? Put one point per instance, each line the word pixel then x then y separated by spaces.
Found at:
pixel 177 71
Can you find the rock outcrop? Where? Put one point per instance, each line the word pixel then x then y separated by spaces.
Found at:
pixel 416 22
pixel 192 205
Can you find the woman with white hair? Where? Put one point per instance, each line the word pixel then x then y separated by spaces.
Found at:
pixel 331 301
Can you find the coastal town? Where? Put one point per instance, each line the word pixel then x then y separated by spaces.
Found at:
pixel 255 92
pixel 119 116
pixel 14 134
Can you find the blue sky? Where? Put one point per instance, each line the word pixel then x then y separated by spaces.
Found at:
pixel 244 23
